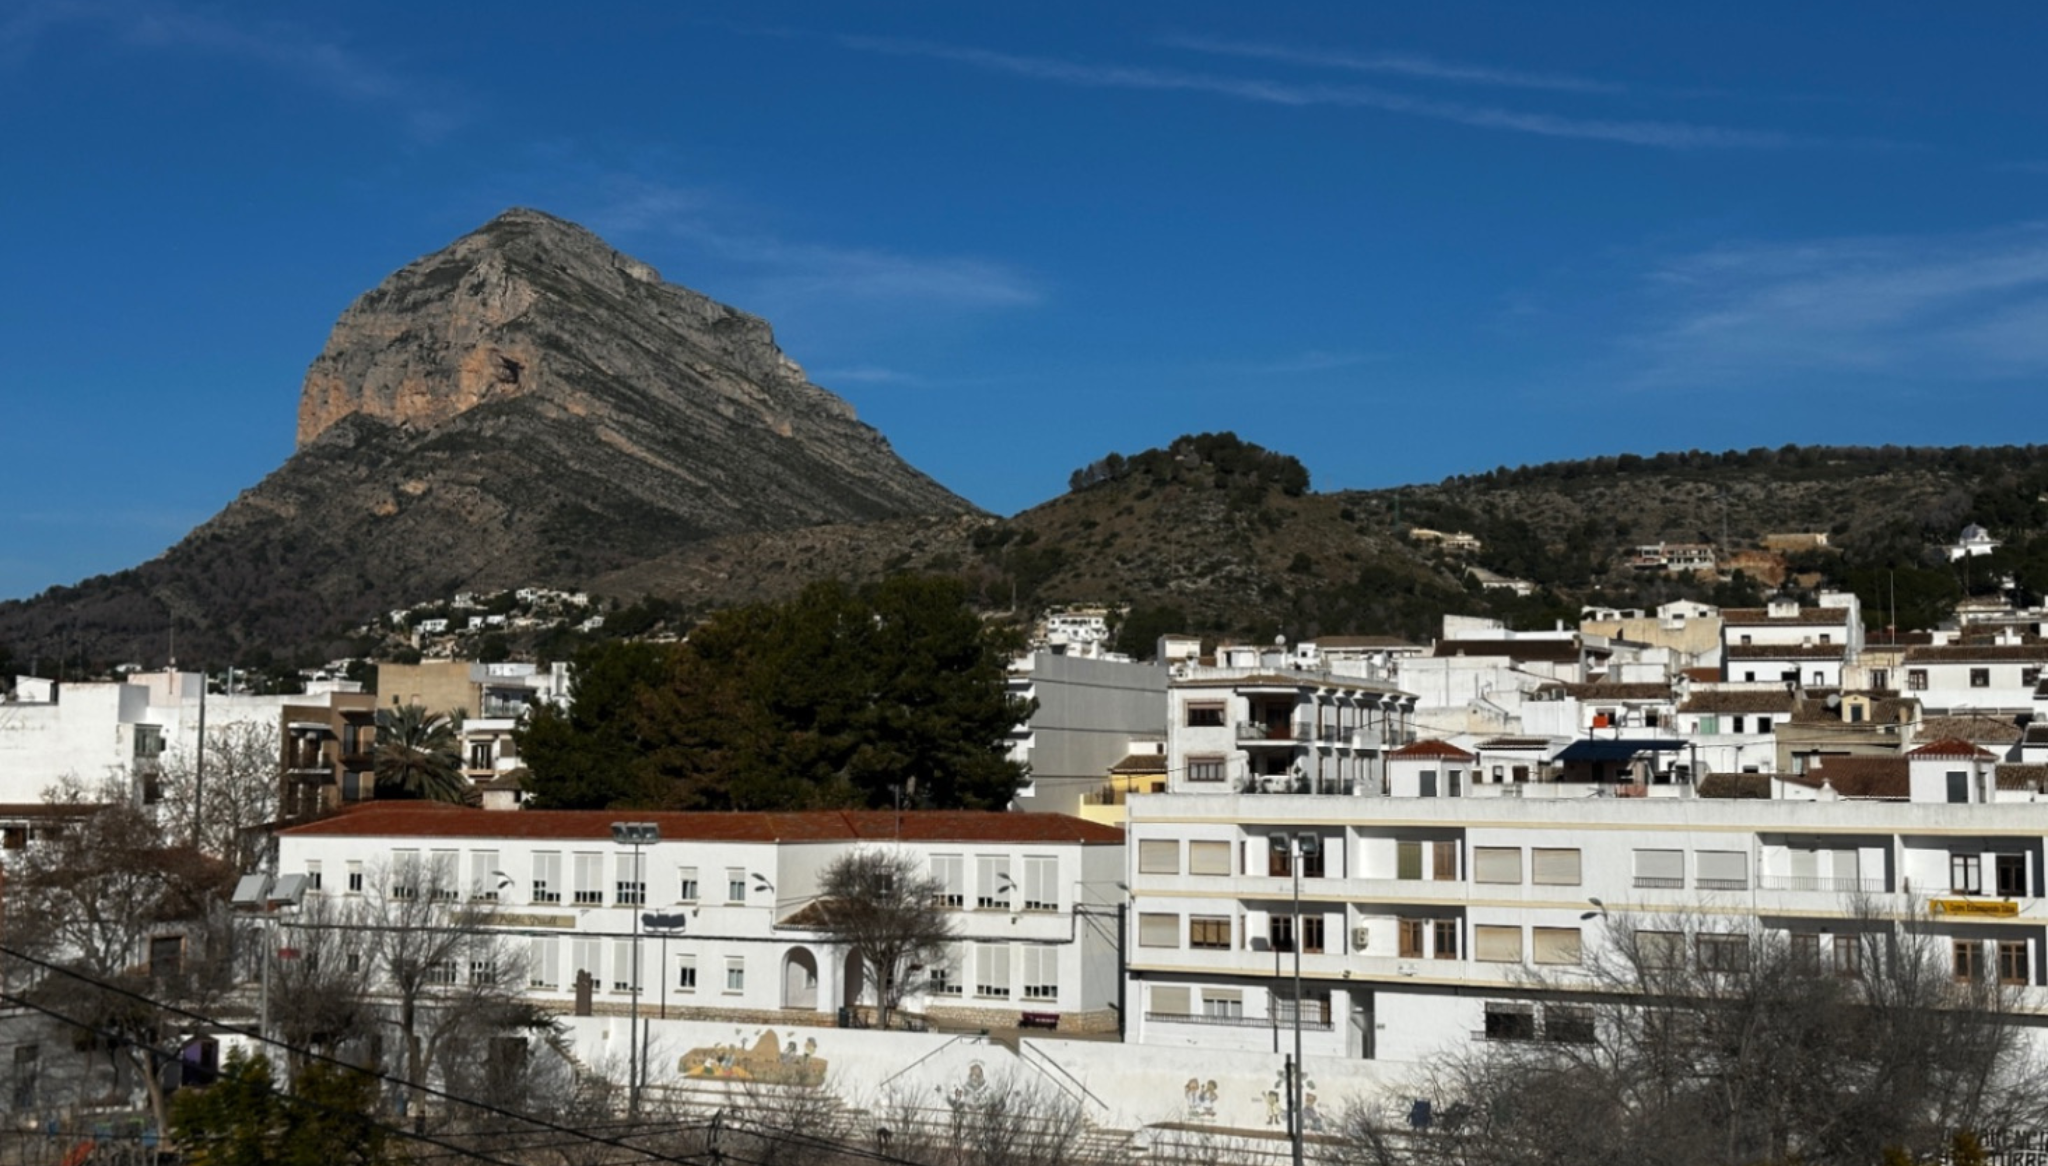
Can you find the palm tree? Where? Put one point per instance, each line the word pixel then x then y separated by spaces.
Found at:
pixel 419 755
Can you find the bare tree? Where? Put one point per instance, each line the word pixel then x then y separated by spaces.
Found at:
pixel 320 1000
pixel 884 907
pixel 453 983
pixel 128 928
pixel 244 766
pixel 1687 1040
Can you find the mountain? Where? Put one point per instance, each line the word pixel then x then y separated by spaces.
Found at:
pixel 527 405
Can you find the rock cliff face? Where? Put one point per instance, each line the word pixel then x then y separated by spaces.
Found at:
pixel 526 405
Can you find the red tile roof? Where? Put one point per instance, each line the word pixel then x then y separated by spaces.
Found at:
pixel 1443 749
pixel 1951 747
pixel 1859 777
pixel 1784 651
pixel 436 820
pixel 1761 616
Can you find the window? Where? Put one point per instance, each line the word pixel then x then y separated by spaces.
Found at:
pixel 1880 678
pixel 735 885
pixel 1555 945
pixel 484 875
pixel 623 972
pixel 442 885
pixel 1208 858
pixel 1736 723
pixel 1568 1023
pixel 1159 856
pixel 1496 945
pixel 1968 959
pixel 1207 769
pixel 404 880
pixel 1554 867
pixel 1041 972
pixel 313 875
pixel 480 755
pixel 1660 949
pixel 1916 679
pixel 1312 861
pixel 992 970
pixel 166 956
pixel 1710 724
pixel 944 977
pixel 1848 956
pixel 1280 932
pixel 1223 1003
pixel 1041 883
pixel 1426 783
pixel 1205 716
pixel 2012 875
pixel 1446 938
pixel 547 877
pixel 2012 962
pixel 1209 931
pixel 1171 1000
pixel 1980 678
pixel 950 872
pixel 543 961
pixel 2030 676
pixel 1966 873
pixel 992 885
pixel 586 957
pixel 630 889
pixel 686 884
pixel 1723 953
pixel 355 878
pixel 1827 638
pixel 686 973
pixel 1312 934
pixel 735 974
pixel 589 887
pixel 483 971
pixel 1408 860
pixel 1411 939
pixel 1446 861
pixel 1510 1022
pixel 1158 930
pixel 1497 864
pixel 1660 869
pixel 1746 638
pixel 1805 951
pixel 1958 787
pixel 1722 870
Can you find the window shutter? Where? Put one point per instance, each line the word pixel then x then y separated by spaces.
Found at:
pixel 1661 864
pixel 1408 860
pixel 1496 864
pixel 1157 856
pixel 1209 858
pixel 1158 930
pixel 1555 945
pixel 1170 1001
pixel 1728 869
pixel 1554 867
pixel 1498 945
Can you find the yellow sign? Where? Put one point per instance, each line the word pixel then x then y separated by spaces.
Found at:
pixel 2000 908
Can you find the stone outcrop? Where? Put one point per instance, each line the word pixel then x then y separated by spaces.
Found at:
pixel 527 405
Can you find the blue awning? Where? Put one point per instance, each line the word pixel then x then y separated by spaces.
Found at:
pixel 1621 750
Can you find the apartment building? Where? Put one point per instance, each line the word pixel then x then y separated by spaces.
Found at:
pixel 1425 922
pixel 1034 896
pixel 1252 725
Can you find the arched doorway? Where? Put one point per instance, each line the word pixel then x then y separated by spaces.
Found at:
pixel 855 981
pixel 800 980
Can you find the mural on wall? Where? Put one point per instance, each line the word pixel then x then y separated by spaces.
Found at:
pixel 768 1061
pixel 1278 1103
pixel 971 1091
pixel 1200 1099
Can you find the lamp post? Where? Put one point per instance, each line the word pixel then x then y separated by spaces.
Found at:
pixel 1294 847
pixel 666 924
pixel 635 835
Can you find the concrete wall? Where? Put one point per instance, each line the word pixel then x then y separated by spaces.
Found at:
pixel 1088 711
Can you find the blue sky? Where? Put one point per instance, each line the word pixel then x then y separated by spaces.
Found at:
pixel 1399 242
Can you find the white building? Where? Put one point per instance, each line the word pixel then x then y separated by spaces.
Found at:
pixel 1430 922
pixel 1251 725
pixel 1035 897
pixel 1951 677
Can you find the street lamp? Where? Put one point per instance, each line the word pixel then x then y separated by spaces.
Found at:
pixel 1294 848
pixel 635 835
pixel 667 924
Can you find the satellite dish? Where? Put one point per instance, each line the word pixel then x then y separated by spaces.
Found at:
pixel 1834 700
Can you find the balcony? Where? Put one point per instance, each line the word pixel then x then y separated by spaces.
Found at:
pixel 1279 732
pixel 1822 884
pixel 1659 883
pixel 1311 1021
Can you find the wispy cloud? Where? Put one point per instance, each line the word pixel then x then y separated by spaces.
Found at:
pixel 294 51
pixel 1953 308
pixel 783 269
pixel 1661 134
pixel 1414 65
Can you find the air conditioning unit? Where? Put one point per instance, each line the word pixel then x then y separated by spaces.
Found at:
pixel 1361 938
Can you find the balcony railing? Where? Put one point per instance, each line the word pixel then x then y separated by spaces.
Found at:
pixel 1722 884
pixel 1821 883
pixel 1659 883
pixel 1309 1021
pixel 1257 731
